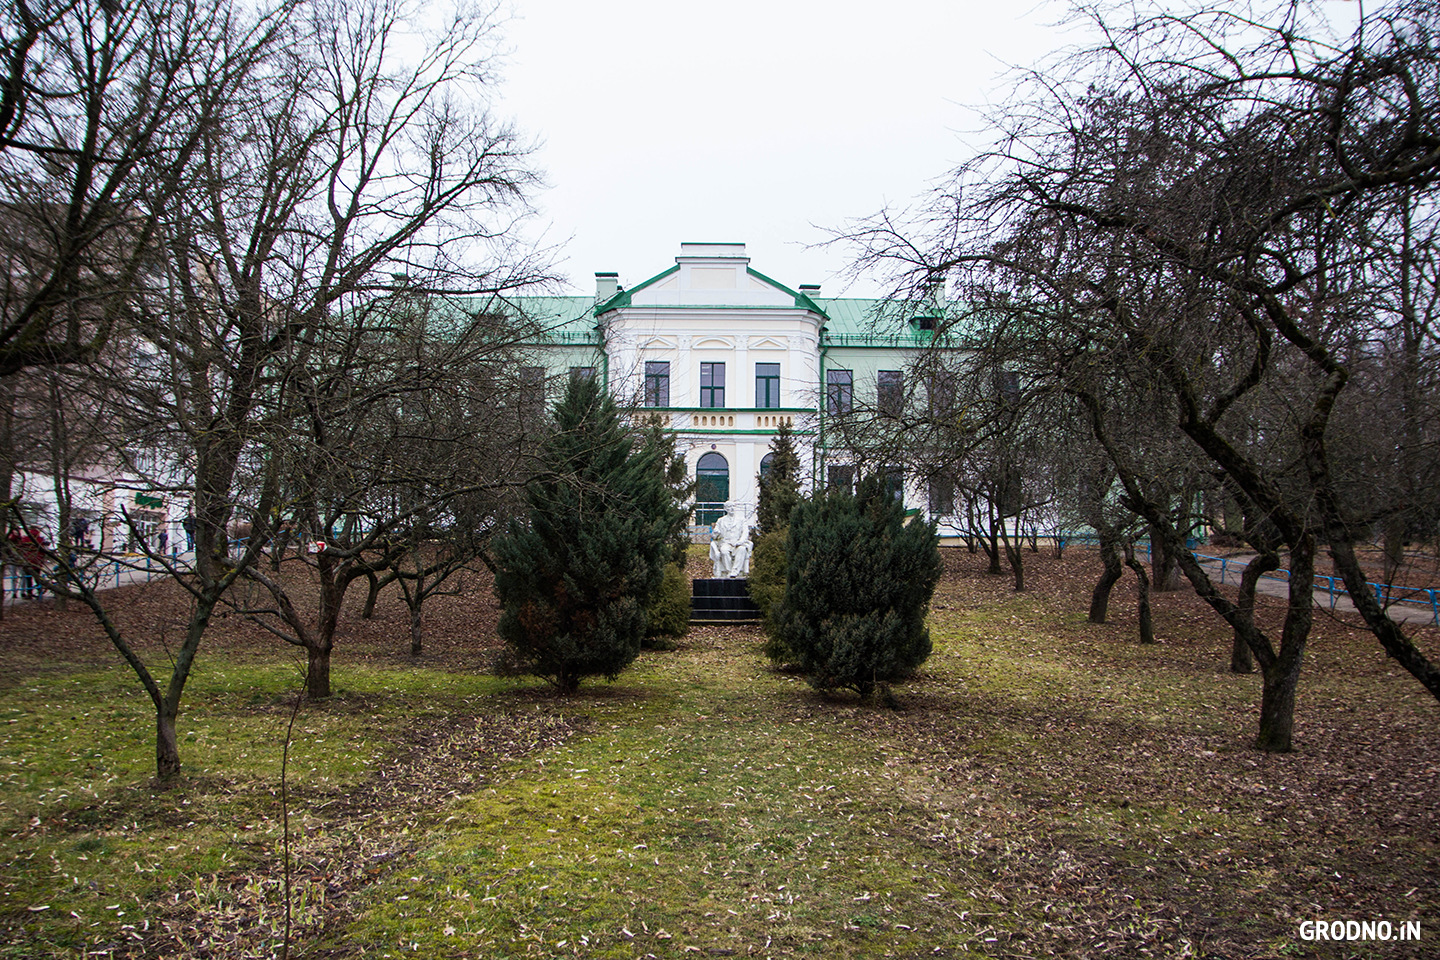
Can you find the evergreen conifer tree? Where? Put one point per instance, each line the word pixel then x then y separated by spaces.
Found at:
pixel 779 493
pixel 857 587
pixel 780 488
pixel 576 574
pixel 668 612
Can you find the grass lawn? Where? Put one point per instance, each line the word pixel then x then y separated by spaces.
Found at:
pixel 1049 788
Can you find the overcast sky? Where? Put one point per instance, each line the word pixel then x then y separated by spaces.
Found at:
pixel 755 121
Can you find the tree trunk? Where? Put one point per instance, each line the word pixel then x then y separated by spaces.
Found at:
pixel 167 746
pixel 1394 546
pixel 1164 564
pixel 317 672
pixel 991 546
pixel 278 541
pixel 1241 660
pixel 374 592
pixel 1277 705
pixel 415 629
pixel 1277 698
pixel 1147 626
pixel 332 595
pixel 1014 552
pixel 1100 596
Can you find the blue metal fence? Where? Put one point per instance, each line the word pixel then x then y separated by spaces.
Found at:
pixel 101 573
pixel 1387 595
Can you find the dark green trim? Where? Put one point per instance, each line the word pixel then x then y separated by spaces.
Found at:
pixel 622 299
pixel 767 411
pixel 878 346
pixel 731 432
pixel 801 300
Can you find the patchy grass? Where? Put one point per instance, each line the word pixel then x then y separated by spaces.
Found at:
pixel 1050 788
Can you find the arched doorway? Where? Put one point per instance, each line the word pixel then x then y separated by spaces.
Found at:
pixel 712 488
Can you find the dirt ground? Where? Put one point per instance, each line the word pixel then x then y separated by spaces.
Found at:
pixel 1344 789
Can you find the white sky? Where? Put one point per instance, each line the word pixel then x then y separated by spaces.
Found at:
pixel 755 121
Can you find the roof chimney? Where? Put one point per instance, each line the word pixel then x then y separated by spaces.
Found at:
pixel 606 286
pixel 811 290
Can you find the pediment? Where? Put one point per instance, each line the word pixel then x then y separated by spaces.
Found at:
pixel 658 343
pixel 768 343
pixel 714 343
pixel 711 282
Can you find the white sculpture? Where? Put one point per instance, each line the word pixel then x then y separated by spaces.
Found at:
pixel 730 544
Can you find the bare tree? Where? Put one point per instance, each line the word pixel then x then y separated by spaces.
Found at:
pixel 153 86
pixel 384 183
pixel 407 448
pixel 1192 214
pixel 306 177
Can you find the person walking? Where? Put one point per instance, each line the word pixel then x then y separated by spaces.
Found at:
pixel 32 560
pixel 12 558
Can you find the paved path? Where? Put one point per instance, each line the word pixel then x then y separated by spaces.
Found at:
pixel 1329 591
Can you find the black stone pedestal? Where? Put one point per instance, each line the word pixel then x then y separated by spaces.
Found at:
pixel 721 601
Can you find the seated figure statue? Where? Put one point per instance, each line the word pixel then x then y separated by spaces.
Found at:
pixel 730 544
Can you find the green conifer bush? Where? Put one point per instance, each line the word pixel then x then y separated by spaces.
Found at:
pixel 858 583
pixel 780 487
pixel 576 574
pixel 669 612
pixel 766 586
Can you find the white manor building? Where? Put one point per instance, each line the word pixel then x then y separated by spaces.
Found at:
pixel 723 355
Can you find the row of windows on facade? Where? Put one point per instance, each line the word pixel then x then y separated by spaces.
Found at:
pixel 712 475
pixel 839 387
pixel 941 491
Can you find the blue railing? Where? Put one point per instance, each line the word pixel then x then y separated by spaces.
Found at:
pixel 706 514
pixel 101 573
pixel 1387 595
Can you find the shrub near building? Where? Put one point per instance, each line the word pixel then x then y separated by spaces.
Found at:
pixel 576 575
pixel 858 582
pixel 779 493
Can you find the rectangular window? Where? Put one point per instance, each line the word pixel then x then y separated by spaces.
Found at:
pixel 839 392
pixel 767 386
pixel 712 385
pixel 1007 387
pixel 942 498
pixel 657 383
pixel 532 388
pixel 840 476
pixel 890 393
pixel 942 396
pixel 578 373
pixel 895 483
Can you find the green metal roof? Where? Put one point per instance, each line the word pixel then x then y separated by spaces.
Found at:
pixel 859 322
pixel 559 319
pixel 847 321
